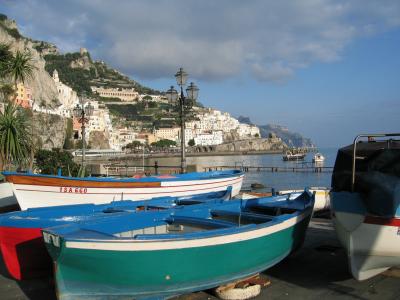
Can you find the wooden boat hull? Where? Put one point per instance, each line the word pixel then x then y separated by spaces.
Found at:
pixel 372 242
pixel 24 252
pixel 21 242
pixel 164 268
pixel 39 191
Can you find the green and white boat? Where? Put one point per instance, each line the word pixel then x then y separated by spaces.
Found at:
pixel 157 254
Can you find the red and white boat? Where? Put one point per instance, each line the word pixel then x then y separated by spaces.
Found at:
pixel 365 204
pixel 32 190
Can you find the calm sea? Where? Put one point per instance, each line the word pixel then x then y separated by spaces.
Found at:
pixel 277 180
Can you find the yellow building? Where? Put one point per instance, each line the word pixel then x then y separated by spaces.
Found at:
pixel 172 133
pixel 24 96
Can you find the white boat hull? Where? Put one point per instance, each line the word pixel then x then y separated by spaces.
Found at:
pixel 30 196
pixel 371 248
pixel 7 198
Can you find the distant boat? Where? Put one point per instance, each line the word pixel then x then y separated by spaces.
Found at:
pixel 318 158
pixel 33 190
pixel 164 253
pixel 288 156
pixel 21 242
pixel 365 204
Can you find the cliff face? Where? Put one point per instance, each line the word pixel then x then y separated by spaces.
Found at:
pixel 292 139
pixel 98 140
pixel 44 91
pixel 49 130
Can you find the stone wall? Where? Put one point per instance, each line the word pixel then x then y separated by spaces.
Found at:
pixel 258 144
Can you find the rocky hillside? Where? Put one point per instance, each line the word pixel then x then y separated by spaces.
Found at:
pixel 43 88
pixel 291 139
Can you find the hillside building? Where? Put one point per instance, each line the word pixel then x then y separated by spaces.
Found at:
pixel 128 95
pixel 24 96
pixel 172 134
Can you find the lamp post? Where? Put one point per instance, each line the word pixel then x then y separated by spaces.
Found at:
pixel 81 112
pixel 192 92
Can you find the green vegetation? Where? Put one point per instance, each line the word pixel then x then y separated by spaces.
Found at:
pixel 20 67
pixel 50 161
pixel 135 145
pixel 77 78
pixel 15 140
pixel 92 74
pixel 163 144
pixel 191 143
pixel 108 99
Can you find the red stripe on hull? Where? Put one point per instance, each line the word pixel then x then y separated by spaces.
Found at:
pixel 24 252
pixel 382 221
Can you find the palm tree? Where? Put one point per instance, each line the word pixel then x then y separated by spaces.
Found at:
pixel 15 143
pixel 20 67
pixel 6 90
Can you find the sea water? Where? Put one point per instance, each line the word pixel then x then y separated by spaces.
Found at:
pixel 276 180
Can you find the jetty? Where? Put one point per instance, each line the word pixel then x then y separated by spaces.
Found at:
pixel 245 168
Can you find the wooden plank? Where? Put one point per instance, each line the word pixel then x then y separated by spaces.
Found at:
pixel 243 283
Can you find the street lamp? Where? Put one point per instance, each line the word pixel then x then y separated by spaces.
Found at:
pixel 81 112
pixel 184 102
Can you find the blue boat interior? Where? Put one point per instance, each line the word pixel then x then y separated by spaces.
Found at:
pixel 57 215
pixel 188 222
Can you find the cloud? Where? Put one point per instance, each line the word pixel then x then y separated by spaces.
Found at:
pixel 211 39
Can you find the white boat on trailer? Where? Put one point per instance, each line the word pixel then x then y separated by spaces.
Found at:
pixel 32 190
pixel 365 204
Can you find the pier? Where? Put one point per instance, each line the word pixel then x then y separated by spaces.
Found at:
pixel 300 169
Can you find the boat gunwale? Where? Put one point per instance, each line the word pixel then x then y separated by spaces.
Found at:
pixel 150 179
pixel 284 221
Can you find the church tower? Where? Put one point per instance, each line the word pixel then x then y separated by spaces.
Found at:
pixel 55 76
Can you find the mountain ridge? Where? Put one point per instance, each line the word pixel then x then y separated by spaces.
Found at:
pixel 292 139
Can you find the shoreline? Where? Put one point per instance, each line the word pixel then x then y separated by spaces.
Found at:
pixel 175 154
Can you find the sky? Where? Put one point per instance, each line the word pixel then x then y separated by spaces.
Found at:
pixel 326 69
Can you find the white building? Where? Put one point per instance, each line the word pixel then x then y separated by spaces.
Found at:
pixel 246 130
pixel 66 95
pixel 214 120
pixel 209 139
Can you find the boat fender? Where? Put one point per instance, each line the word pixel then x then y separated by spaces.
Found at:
pixel 248 292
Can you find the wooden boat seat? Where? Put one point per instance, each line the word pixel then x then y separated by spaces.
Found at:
pixel 271 209
pixel 211 223
pixel 245 216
